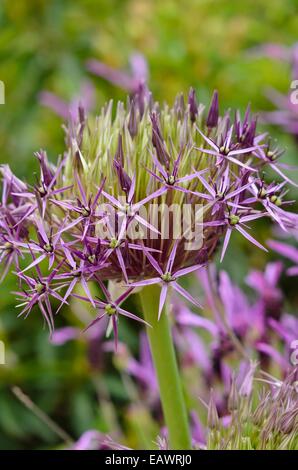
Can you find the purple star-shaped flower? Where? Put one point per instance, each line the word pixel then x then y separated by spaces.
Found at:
pixel 168 277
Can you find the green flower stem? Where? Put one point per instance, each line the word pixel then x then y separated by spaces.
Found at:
pixel 165 362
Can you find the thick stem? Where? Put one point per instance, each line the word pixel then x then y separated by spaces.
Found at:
pixel 164 358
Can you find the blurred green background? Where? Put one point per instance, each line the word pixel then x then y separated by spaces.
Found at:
pixel 44 45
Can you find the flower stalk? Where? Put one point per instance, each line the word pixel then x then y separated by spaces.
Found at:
pixel 165 362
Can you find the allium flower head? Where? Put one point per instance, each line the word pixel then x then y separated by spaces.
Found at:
pixel 143 194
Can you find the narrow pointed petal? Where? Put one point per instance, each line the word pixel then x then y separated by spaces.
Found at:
pixel 243 151
pixel 115 331
pixel 186 178
pixel 112 199
pixel 209 141
pixel 87 290
pixel 206 185
pixel 146 224
pixel 248 218
pixel 81 189
pixel 68 292
pixel 96 320
pixel 275 167
pixel 122 264
pixel 35 262
pixel 124 296
pixel 250 238
pixel 132 189
pixel 127 314
pixel 162 298
pixel 238 162
pixel 238 191
pixel 190 269
pixel 145 282
pixel 154 263
pixel 172 256
pixel 186 294
pixel 214 153
pixel 98 194
pixel 225 244
pixel 154 195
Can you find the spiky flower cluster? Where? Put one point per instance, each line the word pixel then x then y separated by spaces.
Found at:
pixel 75 224
pixel 265 422
pixel 262 415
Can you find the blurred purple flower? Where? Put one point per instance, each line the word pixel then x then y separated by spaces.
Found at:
pixel 289 252
pixel 63 335
pixel 287 114
pixel 90 440
pixel 132 82
pixel 266 284
pixel 84 100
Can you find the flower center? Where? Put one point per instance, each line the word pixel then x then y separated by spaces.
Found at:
pixel 114 243
pixel 91 259
pixel 40 288
pixel 42 191
pixel 171 180
pixel 167 277
pixel 271 155
pixel 224 150
pixel 220 195
pixel 234 219
pixel 48 248
pixel 127 209
pixel 262 193
pixel 110 310
pixel 85 211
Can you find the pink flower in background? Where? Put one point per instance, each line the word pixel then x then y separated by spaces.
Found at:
pixel 287 251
